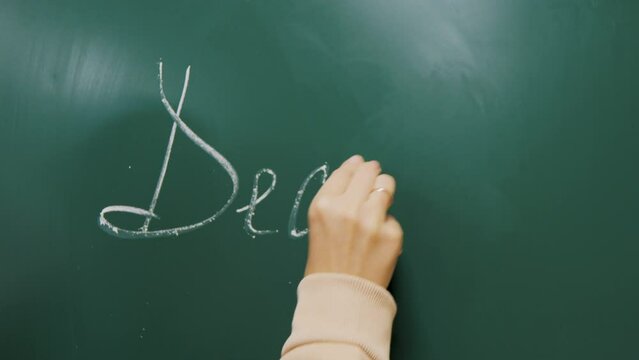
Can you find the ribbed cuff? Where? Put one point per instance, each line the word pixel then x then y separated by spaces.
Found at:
pixel 343 309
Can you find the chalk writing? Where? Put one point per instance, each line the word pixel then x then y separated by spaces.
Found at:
pixel 248 219
pixel 143 232
pixel 292 221
pixel 149 214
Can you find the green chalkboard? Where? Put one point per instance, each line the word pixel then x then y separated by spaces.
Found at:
pixel 511 127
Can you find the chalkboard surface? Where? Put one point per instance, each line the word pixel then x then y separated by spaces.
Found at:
pixel 511 127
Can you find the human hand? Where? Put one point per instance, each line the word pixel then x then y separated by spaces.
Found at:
pixel 349 229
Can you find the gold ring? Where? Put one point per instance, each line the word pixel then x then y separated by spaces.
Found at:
pixel 384 190
pixel 381 189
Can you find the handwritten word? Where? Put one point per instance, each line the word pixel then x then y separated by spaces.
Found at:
pixel 149 214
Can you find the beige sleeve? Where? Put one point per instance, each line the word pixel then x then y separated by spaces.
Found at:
pixel 342 317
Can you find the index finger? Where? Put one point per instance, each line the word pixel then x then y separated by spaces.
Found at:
pixel 340 178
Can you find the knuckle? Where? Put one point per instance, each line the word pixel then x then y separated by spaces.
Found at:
pixel 348 216
pixel 398 233
pixel 312 213
pixel 337 172
pixel 394 239
pixel 319 206
pixel 367 228
pixel 398 247
pixel 367 225
pixel 323 204
pixel 394 231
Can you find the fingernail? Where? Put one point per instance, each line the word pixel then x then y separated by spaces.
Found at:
pixel 353 159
